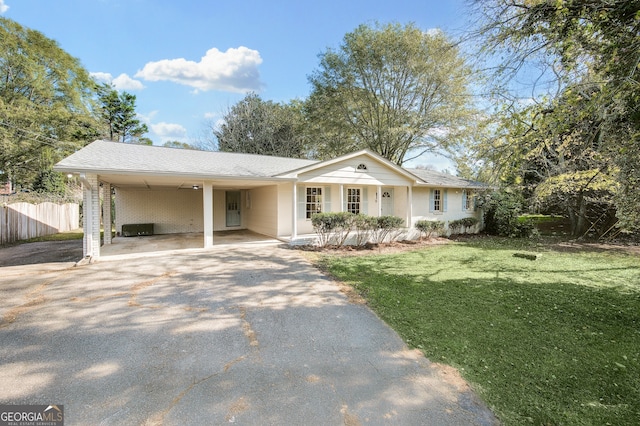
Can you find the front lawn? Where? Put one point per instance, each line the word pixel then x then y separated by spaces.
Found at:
pixel 549 341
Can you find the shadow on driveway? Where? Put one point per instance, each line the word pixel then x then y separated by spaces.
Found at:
pixel 251 335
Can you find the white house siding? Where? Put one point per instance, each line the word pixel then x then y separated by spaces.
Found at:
pixel 344 172
pixel 170 211
pixel 454 210
pixel 285 200
pixel 262 214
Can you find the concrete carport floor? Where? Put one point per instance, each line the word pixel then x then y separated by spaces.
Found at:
pixel 250 334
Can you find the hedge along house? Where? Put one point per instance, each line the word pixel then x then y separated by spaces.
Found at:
pixel 189 191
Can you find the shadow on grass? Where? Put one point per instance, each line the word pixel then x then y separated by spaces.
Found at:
pixel 537 351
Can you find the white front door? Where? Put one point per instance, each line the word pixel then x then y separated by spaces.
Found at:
pixel 387 202
pixel 233 208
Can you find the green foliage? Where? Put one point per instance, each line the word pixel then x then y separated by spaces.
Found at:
pixel 501 212
pixel 553 341
pixel 334 228
pixel 177 144
pixel 430 228
pixel 387 88
pixel 254 126
pixel 118 113
pixel 46 100
pixel 50 182
pixel 364 226
pixel 461 225
pixel 589 119
pixel 387 229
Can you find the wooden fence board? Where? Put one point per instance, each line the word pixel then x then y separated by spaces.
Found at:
pixel 22 221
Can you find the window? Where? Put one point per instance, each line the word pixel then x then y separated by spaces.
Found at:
pixel 437 200
pixel 467 200
pixel 313 201
pixel 353 200
pixel 361 167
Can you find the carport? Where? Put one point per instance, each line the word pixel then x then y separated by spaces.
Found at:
pixel 178 191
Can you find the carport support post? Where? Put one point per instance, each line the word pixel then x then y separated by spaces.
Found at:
pixel 90 215
pixel 106 211
pixel 207 207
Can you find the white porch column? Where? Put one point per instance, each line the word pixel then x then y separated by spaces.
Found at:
pixel 207 208
pixel 379 199
pixel 90 215
pixel 294 211
pixel 106 211
pixel 341 198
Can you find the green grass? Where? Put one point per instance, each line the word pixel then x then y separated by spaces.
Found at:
pixel 550 341
pixel 62 236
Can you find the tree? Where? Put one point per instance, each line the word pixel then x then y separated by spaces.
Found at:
pixel 391 89
pixel 118 113
pixel 590 47
pixel 46 101
pixel 177 144
pixel 556 154
pixel 254 126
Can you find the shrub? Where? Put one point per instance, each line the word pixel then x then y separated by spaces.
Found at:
pixel 502 209
pixel 332 227
pixel 462 224
pixel 428 228
pixel 364 226
pixel 387 226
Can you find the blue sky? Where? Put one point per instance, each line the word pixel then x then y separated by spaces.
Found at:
pixel 188 62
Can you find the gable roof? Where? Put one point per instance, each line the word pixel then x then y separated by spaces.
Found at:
pixel 116 157
pixel 371 154
pixel 433 178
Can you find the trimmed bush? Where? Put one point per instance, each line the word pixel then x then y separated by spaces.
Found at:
pixel 462 224
pixel 332 228
pixel 364 226
pixel 429 228
pixel 387 226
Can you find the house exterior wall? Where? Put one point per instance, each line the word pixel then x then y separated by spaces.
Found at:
pixel 454 210
pixel 345 172
pixel 262 210
pixel 336 199
pixel 285 212
pixel 220 210
pixel 171 211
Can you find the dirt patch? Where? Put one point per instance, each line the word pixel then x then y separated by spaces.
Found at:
pixel 41 252
pixel 368 249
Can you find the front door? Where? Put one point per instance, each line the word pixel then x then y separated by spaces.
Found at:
pixel 387 202
pixel 233 208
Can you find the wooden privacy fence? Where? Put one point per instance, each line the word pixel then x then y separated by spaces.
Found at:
pixel 21 221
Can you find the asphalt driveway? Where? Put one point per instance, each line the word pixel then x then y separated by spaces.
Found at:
pixel 249 335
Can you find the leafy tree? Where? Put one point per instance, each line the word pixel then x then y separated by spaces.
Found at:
pixel 254 126
pixel 392 89
pixel 46 100
pixel 591 51
pixel 557 153
pixel 177 144
pixel 118 113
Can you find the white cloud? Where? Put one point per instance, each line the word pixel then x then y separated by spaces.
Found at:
pixel 124 82
pixel 169 131
pixel 3 7
pixel 121 82
pixel 235 70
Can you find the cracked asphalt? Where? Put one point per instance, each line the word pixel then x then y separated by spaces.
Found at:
pixel 251 335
